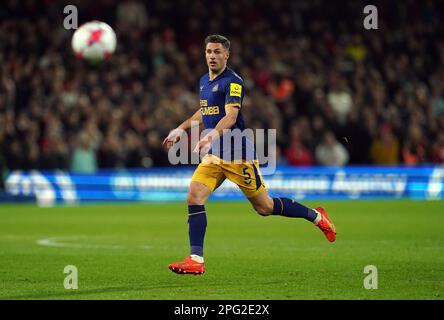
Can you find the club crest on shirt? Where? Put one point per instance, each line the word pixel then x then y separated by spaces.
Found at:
pixel 216 87
pixel 201 87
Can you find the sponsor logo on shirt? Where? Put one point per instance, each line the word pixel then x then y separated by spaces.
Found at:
pixel 235 90
pixel 208 111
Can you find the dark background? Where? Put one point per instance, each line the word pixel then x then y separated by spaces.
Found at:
pixel 336 93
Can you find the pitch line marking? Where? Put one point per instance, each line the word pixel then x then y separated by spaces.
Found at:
pixel 60 242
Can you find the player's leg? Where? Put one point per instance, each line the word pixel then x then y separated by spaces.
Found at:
pixel 248 177
pixel 197 217
pixel 266 206
pixel 205 180
pixel 198 194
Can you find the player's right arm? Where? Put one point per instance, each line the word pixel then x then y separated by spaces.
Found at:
pixel 174 135
pixel 194 120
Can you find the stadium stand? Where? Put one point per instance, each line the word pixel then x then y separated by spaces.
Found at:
pixel 375 96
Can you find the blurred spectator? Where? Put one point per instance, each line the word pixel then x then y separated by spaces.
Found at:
pixel 14 156
pixel 356 49
pixel 340 100
pixel 134 151
pixel 111 154
pixel 437 151
pixel 358 138
pixel 84 157
pixel 281 88
pixel 297 154
pixel 132 14
pixel 157 155
pixel 330 152
pixel 437 100
pixel 280 159
pixel 414 150
pixel 384 149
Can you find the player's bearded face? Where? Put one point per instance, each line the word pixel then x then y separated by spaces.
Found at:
pixel 216 56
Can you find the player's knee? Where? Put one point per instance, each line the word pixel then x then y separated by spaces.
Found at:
pixel 263 209
pixel 194 198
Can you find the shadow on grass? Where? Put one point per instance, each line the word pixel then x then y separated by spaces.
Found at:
pixel 80 294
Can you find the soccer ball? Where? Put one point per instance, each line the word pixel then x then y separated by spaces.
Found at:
pixel 94 41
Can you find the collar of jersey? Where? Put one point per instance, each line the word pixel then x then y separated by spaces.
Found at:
pixel 225 70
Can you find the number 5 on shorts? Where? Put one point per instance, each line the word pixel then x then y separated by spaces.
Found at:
pixel 247 175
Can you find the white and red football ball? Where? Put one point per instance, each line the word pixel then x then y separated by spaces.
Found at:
pixel 94 41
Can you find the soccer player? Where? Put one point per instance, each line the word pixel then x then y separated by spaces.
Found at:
pixel 221 94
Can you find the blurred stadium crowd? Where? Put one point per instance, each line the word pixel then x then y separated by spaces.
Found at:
pixel 336 93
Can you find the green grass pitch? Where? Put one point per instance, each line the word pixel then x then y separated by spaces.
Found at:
pixel 122 251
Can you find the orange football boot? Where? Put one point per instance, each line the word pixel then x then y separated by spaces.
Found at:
pixel 188 266
pixel 325 224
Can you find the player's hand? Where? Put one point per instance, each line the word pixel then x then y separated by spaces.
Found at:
pixel 204 144
pixel 172 138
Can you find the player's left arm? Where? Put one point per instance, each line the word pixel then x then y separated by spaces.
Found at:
pixel 233 98
pixel 227 122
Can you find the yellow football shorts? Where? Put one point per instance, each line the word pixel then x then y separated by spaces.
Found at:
pixel 212 171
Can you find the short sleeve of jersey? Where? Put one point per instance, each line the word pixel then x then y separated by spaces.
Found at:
pixel 234 93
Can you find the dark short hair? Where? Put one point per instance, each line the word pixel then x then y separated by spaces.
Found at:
pixel 217 38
